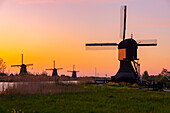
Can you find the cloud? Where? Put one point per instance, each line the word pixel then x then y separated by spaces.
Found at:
pixel 63 1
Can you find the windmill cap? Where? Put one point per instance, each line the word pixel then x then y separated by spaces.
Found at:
pixel 127 43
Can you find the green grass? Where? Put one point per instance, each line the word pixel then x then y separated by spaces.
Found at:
pixel 98 99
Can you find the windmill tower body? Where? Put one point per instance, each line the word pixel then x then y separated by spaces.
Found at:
pixel 127 51
pixel 23 69
pixel 74 74
pixel 23 66
pixel 55 73
pixel 127 55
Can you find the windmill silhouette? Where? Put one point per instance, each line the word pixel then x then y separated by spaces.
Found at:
pixel 23 66
pixel 54 73
pixel 127 55
pixel 74 73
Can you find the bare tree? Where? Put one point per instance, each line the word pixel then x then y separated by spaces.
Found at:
pixel 2 66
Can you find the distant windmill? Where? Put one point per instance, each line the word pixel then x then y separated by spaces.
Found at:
pixel 74 73
pixel 54 70
pixel 127 55
pixel 23 69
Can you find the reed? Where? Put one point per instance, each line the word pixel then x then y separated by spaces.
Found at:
pixel 44 88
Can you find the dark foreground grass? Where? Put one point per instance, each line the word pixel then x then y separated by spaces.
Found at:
pixel 98 99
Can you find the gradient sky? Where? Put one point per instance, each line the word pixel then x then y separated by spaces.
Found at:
pixel 47 30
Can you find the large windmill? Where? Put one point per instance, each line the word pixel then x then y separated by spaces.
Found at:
pixel 23 66
pixel 74 73
pixel 127 55
pixel 54 73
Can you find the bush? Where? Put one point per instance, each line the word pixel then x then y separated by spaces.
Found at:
pixel 113 84
pixel 124 84
pixel 135 85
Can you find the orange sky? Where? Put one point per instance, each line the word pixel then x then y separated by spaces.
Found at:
pixel 52 30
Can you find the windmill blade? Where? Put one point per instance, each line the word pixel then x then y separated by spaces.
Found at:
pixel 101 44
pixel 15 65
pixel 29 64
pixel 77 71
pixel 124 27
pixel 73 67
pixel 59 68
pixel 100 47
pixel 22 58
pixel 123 21
pixel 150 42
pixel 69 71
pixel 49 69
pixel 54 63
pixel 147 44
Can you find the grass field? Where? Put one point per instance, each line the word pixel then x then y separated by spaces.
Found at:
pixel 95 99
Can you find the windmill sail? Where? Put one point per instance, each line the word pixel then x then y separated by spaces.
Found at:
pixel 124 26
pixel 101 47
pixel 101 44
pixel 29 64
pixel 49 69
pixel 151 42
pixel 15 65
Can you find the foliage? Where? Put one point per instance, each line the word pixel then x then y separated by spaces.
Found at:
pixel 157 78
pixel 44 73
pixel 96 100
pixel 113 84
pixel 168 85
pixel 135 85
pixel 2 66
pixel 122 84
pixel 3 74
pixel 164 71
pixel 145 75
pixel 63 75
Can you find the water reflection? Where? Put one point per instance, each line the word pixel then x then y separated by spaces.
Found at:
pixel 6 85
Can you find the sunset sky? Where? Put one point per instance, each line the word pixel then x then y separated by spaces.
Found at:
pixel 47 30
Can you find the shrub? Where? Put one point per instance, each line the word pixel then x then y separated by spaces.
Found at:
pixel 135 85
pixel 124 84
pixel 112 84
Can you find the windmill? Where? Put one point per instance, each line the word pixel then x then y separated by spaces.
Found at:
pixel 54 73
pixel 74 73
pixel 23 69
pixel 127 55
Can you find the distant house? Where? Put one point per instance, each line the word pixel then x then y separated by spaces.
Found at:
pixel 165 76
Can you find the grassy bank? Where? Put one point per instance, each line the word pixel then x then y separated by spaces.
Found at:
pixel 96 99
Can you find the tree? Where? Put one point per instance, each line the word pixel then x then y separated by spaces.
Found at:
pixel 44 73
pixel 2 66
pixel 163 71
pixel 145 75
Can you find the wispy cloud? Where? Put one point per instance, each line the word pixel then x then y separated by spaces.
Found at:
pixel 63 1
